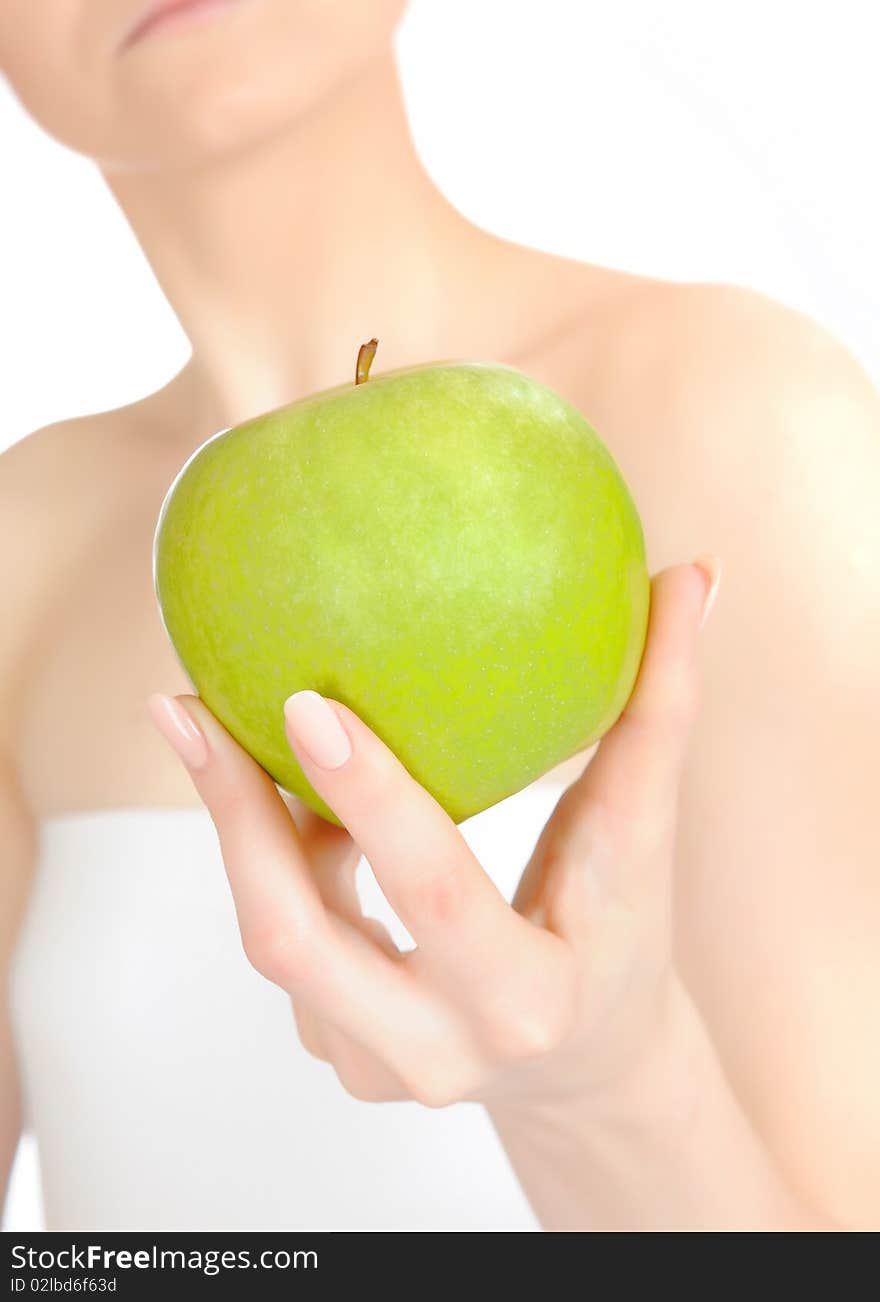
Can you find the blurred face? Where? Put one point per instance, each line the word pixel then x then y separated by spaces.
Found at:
pixel 143 83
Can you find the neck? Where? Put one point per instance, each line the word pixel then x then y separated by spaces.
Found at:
pixel 281 260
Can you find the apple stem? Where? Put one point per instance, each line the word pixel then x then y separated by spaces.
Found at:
pixel 366 353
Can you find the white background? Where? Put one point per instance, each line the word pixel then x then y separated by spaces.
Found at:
pixel 691 140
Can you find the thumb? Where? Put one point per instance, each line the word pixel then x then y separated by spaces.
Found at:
pixel 629 789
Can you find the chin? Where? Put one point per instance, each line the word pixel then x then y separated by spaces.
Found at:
pixel 202 122
pixel 178 112
pixel 257 70
pixel 180 97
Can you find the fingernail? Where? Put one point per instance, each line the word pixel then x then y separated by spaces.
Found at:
pixel 710 567
pixel 179 729
pixel 316 727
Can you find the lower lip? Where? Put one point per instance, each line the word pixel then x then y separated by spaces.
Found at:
pixel 187 15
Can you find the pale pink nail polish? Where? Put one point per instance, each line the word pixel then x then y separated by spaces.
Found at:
pixel 179 729
pixel 315 726
pixel 710 567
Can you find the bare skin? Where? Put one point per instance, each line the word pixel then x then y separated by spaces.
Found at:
pixel 716 405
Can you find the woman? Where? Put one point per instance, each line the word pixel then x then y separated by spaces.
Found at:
pixel 630 1064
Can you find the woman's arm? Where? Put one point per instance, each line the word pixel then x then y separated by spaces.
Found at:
pixel 778 858
pixel 778 863
pixel 30 539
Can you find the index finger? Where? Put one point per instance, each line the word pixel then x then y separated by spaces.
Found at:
pixel 424 866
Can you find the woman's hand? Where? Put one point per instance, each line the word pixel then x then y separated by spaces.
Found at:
pixel 556 998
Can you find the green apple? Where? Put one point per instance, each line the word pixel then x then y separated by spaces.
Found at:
pixel 448 549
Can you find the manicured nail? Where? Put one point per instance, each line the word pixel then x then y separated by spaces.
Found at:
pixel 710 567
pixel 316 727
pixel 179 729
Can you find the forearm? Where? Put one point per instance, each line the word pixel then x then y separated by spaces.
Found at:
pixel 672 1150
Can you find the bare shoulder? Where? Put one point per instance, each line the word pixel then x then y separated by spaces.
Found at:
pixel 776 421
pixel 60 490
pixel 632 346
pixel 693 344
pixel 741 410
pixel 725 339
pixel 744 427
pixel 48 480
pixel 34 469
pixel 764 440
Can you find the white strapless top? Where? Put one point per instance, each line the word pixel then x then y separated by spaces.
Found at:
pixel 163 1078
